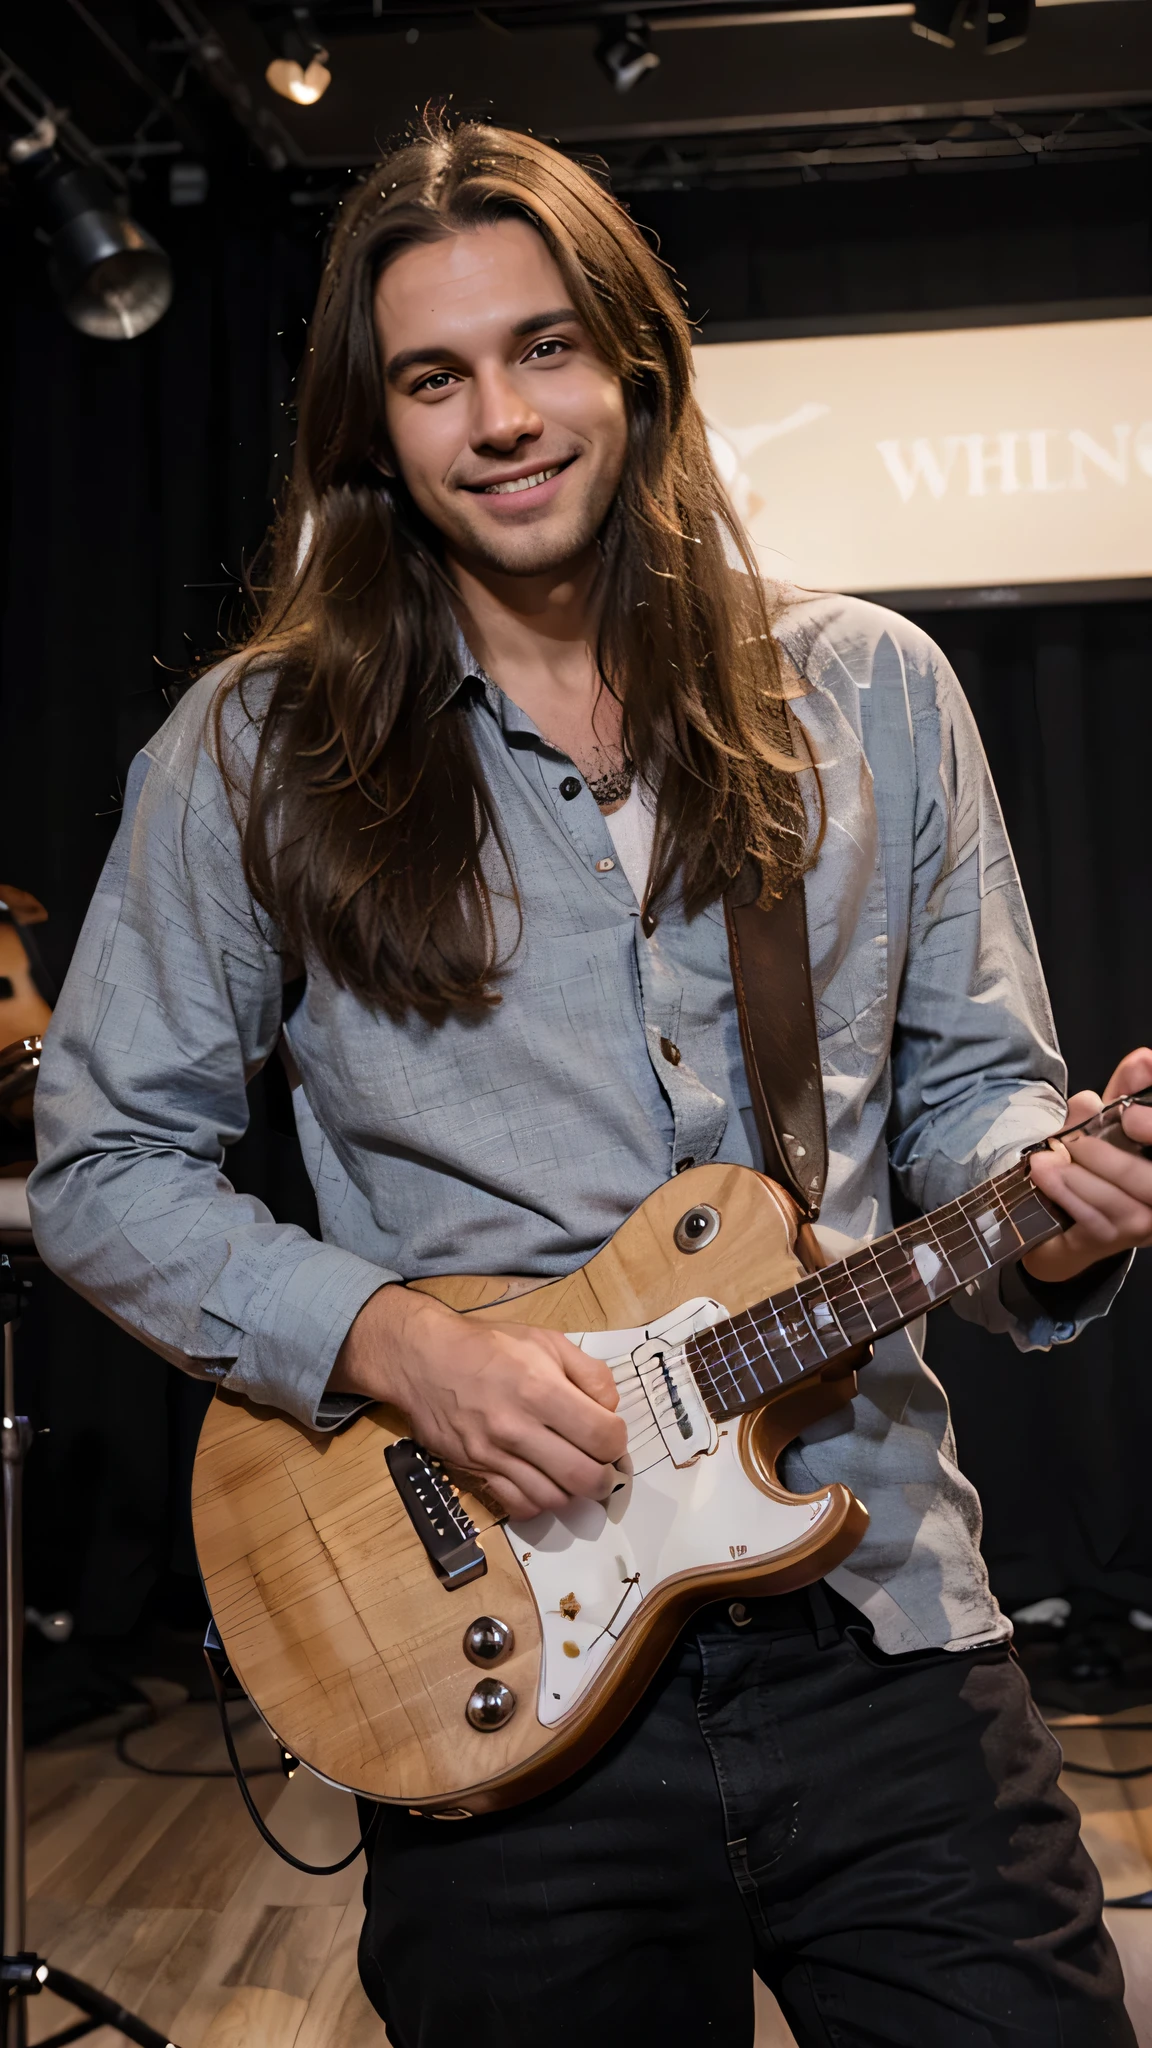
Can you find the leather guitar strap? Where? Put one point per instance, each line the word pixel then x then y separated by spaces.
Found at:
pixel 772 978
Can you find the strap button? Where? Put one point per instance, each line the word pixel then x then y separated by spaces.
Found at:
pixel 738 1614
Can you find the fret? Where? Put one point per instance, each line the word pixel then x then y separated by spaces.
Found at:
pixel 965 1248
pixel 851 1307
pixel 994 1224
pixel 707 1351
pixel 924 1274
pixel 809 1310
pixel 796 1332
pixel 868 1278
pixel 738 1334
pixel 1033 1218
pixel 904 1281
pixel 753 1346
pixel 876 1289
pixel 727 1385
pixel 938 1243
pixel 711 1347
pixel 937 1256
pixel 821 1313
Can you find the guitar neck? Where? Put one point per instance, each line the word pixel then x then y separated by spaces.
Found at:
pixel 738 1364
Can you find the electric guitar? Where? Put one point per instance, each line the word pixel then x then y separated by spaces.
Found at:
pixel 405 1640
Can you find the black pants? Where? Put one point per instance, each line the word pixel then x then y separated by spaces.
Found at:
pixel 882 1839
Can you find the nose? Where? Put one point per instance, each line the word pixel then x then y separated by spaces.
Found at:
pixel 502 415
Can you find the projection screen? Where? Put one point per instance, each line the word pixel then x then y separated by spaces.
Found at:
pixel 943 461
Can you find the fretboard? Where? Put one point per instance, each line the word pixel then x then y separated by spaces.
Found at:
pixel 739 1364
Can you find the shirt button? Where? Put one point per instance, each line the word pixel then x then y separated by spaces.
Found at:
pixel 1064 1333
pixel 682 1165
pixel 605 867
pixel 738 1614
pixel 648 924
pixel 570 787
pixel 671 1052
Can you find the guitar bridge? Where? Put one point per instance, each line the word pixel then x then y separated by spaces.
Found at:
pixel 433 1507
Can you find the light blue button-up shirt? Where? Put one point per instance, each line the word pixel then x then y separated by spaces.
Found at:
pixel 517 1143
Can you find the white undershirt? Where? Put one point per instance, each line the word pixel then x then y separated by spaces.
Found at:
pixel 633 830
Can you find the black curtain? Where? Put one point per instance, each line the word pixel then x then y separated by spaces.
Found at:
pixel 140 480
pixel 1056 1441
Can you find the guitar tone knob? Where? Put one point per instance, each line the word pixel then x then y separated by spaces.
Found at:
pixel 488 1641
pixel 696 1228
pixel 490 1705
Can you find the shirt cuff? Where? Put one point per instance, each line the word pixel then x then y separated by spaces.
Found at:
pixel 333 1410
pixel 1049 1312
pixel 293 1329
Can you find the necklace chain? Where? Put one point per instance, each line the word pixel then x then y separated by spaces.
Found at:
pixel 614 785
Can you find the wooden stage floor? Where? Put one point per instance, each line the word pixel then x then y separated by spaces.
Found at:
pixel 160 1892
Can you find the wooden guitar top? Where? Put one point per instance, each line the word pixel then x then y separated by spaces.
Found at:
pixel 321 1588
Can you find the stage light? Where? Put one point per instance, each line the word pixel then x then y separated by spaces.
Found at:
pixel 625 51
pixel 1003 26
pixel 939 21
pixel 113 280
pixel 300 72
pixel 1008 24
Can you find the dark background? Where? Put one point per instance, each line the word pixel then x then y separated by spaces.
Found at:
pixel 140 479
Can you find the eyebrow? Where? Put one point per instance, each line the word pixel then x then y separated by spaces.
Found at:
pixel 414 358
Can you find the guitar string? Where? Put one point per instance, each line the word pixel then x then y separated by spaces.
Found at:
pixel 1008 1191
pixel 892 1268
pixel 899 1243
pixel 941 1230
pixel 950 1229
pixel 885 1272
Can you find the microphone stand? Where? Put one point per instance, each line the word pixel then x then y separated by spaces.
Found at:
pixel 23 1973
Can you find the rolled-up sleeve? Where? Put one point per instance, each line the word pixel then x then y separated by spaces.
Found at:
pixel 977 1073
pixel 172 1003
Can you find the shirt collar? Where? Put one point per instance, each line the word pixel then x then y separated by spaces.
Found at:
pixel 509 717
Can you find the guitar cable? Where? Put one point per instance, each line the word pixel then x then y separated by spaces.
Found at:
pixel 213 1662
pixel 137 1763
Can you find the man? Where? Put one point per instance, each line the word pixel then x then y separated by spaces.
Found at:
pixel 512 722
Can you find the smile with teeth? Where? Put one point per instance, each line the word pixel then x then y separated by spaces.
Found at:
pixel 522 483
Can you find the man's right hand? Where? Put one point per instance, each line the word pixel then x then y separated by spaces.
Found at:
pixel 522 1408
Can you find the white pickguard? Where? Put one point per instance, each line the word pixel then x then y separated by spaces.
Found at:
pixel 686 1502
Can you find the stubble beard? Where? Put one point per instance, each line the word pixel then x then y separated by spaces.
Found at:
pixel 535 551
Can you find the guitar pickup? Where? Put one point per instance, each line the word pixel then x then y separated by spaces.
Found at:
pixel 678 1411
pixel 430 1500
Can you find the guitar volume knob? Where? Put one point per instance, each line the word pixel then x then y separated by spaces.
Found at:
pixel 488 1641
pixel 490 1705
pixel 697 1228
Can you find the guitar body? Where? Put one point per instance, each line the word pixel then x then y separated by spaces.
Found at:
pixel 353 1648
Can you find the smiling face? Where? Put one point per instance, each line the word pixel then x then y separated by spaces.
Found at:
pixel 506 424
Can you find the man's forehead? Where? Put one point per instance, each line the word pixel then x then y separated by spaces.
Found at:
pixel 465 258
pixel 478 277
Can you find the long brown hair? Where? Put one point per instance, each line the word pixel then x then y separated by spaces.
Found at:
pixel 368 832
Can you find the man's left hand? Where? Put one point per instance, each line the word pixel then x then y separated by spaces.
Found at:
pixel 1107 1192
